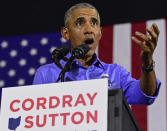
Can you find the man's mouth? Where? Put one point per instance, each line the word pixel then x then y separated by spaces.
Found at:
pixel 89 41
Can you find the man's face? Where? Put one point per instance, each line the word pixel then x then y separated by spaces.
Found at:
pixel 83 25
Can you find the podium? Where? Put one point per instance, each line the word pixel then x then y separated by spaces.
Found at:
pixel 68 106
pixel 120 116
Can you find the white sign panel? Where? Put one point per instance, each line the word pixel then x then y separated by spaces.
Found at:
pixel 67 106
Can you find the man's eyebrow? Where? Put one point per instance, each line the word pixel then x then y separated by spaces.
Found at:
pixel 80 18
pixel 94 19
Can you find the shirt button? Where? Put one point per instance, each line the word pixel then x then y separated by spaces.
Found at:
pixel 91 68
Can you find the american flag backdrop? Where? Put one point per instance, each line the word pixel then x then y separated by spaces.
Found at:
pixel 20 56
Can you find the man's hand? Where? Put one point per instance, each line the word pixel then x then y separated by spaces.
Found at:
pixel 148 45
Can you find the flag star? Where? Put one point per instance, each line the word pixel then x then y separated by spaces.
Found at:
pixel 63 40
pixel 31 71
pixel 2 83
pixel 22 62
pixel 2 64
pixel 44 41
pixel 4 44
pixel 21 82
pixel 24 43
pixel 11 73
pixel 13 53
pixel 42 60
pixel 33 51
pixel 52 48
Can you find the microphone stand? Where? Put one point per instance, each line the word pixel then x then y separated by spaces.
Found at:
pixel 65 69
pixel 57 62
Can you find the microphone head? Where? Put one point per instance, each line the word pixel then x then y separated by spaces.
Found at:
pixel 60 52
pixel 80 51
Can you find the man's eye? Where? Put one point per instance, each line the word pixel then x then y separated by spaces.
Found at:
pixel 94 21
pixel 80 22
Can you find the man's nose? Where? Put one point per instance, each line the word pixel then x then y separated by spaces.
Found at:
pixel 88 29
pixel 88 32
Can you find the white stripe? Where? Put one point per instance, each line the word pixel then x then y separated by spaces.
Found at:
pixel 157 111
pixel 122 45
pixel 97 50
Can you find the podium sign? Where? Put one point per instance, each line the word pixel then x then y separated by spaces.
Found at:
pixel 67 106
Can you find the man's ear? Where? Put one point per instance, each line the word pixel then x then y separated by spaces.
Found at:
pixel 64 33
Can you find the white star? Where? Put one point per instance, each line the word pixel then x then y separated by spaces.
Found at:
pixel 44 41
pixel 2 83
pixel 63 40
pixel 12 73
pixel 52 48
pixel 13 53
pixel 42 60
pixel 2 64
pixel 24 43
pixel 33 51
pixel 31 71
pixel 22 62
pixel 4 44
pixel 21 82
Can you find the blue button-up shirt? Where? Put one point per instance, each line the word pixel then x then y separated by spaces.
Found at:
pixel 118 76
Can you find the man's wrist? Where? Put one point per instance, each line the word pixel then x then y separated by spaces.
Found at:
pixel 148 68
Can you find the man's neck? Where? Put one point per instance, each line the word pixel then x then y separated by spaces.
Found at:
pixel 87 61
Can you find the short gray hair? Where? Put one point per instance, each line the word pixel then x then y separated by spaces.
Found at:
pixel 80 5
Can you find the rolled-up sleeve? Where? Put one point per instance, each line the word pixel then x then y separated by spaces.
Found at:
pixel 136 96
pixel 133 92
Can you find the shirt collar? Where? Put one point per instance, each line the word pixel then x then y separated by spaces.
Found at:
pixel 97 62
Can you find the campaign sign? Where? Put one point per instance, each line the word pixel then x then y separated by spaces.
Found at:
pixel 67 106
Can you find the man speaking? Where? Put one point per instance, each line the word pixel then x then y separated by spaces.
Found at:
pixel 82 27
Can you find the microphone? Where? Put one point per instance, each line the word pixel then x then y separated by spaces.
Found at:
pixel 60 53
pixel 80 51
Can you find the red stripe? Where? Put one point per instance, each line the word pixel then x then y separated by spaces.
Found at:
pixel 140 112
pixel 105 51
